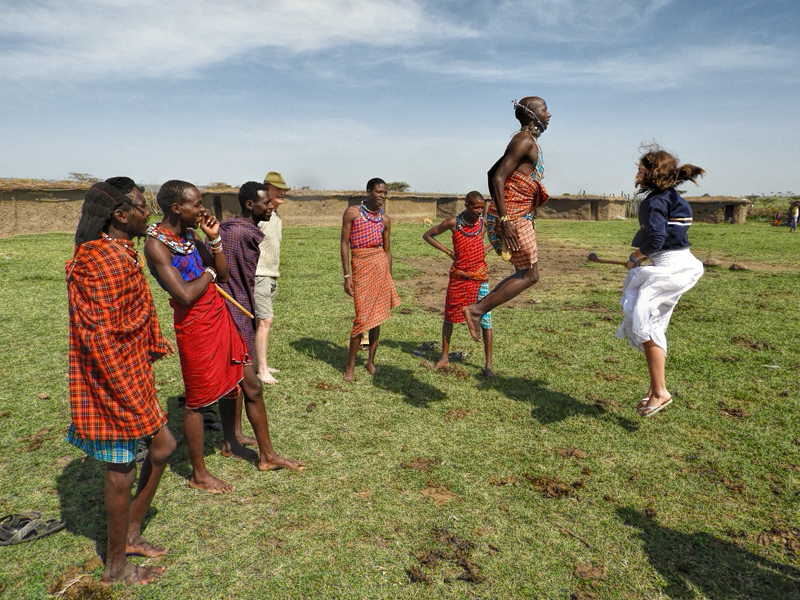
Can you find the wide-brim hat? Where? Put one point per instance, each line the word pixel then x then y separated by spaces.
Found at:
pixel 276 179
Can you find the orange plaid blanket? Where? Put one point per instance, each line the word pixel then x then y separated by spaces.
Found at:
pixel 373 289
pixel 113 328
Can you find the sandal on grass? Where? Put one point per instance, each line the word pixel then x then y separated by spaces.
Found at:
pixel 649 411
pixel 26 526
pixel 642 403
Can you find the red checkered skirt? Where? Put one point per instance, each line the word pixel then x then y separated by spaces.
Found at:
pixel 211 349
pixel 523 196
pixel 373 289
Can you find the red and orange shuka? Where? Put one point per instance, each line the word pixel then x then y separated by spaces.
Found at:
pixel 113 328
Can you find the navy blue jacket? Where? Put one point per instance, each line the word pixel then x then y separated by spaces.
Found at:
pixel 664 219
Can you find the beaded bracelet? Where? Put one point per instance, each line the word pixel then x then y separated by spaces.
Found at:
pixel 216 240
pixel 504 218
pixel 213 274
pixel 216 249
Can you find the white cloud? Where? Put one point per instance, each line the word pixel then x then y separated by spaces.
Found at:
pixel 659 71
pixel 149 38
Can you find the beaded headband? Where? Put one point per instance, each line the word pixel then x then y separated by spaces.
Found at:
pixel 530 113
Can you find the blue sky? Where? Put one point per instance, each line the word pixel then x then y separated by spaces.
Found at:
pixel 334 92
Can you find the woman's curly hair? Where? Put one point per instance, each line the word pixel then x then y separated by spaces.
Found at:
pixel 659 170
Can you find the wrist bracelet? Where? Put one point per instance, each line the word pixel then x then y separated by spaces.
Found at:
pixel 348 275
pixel 213 274
pixel 216 240
pixel 216 249
pixel 504 218
pixel 632 259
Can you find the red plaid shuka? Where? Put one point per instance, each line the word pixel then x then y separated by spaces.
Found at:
pixel 365 233
pixel 373 289
pixel 469 270
pixel 524 194
pixel 113 328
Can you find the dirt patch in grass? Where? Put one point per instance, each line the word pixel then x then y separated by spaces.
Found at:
pixel 571 452
pixel 79 584
pixel 588 571
pixel 733 412
pixel 456 371
pixel 422 464
pixel 787 539
pixel 554 488
pixel 439 494
pixel 604 404
pixel 555 261
pixel 34 440
pixel 746 342
pixel 451 553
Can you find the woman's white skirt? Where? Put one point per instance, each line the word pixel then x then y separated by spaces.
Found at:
pixel 649 295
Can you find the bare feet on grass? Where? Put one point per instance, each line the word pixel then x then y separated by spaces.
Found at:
pixel 278 462
pixel 141 547
pixel 443 363
pixel 133 576
pixel 237 451
pixel 473 322
pixel 210 484
pixel 488 373
pixel 372 369
pixel 267 378
pixel 349 375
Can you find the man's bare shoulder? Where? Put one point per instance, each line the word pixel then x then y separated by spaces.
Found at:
pixel 351 212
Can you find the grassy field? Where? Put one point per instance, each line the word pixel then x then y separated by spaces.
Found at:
pixel 541 483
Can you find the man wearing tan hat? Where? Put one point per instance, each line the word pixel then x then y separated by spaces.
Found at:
pixel 267 274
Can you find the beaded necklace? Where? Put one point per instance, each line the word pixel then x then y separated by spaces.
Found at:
pixel 365 212
pixel 172 241
pixel 127 248
pixel 461 225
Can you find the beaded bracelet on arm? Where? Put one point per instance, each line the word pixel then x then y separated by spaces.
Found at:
pixel 213 274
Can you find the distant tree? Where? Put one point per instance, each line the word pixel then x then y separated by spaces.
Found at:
pixel 82 177
pixel 706 195
pixel 398 186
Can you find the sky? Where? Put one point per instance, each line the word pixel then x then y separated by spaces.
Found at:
pixel 334 92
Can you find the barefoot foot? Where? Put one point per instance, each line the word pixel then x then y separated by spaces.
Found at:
pixel 271 370
pixel 142 547
pixel 473 322
pixel 349 375
pixel 372 369
pixel 210 484
pixel 267 378
pixel 237 451
pixel 488 373
pixel 246 440
pixel 443 363
pixel 133 576
pixel 278 462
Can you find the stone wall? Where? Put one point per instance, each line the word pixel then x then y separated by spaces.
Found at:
pixel 44 211
pixel 719 209
pixel 39 211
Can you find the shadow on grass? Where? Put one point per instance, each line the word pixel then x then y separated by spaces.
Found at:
pixel 548 406
pixel 393 379
pixel 81 489
pixel 719 569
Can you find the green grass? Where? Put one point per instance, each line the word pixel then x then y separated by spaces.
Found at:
pixel 670 507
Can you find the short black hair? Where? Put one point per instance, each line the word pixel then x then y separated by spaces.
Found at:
pixel 124 184
pixel 373 182
pixel 171 192
pixel 249 191
pixel 474 195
